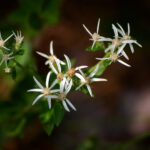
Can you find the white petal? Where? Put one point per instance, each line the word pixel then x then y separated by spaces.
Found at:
pixel 93 44
pixel 68 61
pixel 10 54
pixel 65 106
pixel 35 90
pixel 137 44
pixel 87 30
pixel 37 98
pixel 108 48
pixel 53 68
pixel 80 86
pixel 128 29
pixel 49 102
pixel 47 79
pixel 43 55
pixel 105 39
pixel 89 89
pixel 125 55
pixel 122 62
pixel 62 85
pixel 6 48
pixel 115 31
pixel 94 72
pixel 8 38
pixel 51 48
pixel 69 87
pixel 53 84
pixel 120 49
pixel 131 47
pixel 80 67
pixel 98 24
pixel 98 79
pixel 55 91
pixel 123 32
pixel 58 64
pixel 80 77
pixel 81 72
pixel 63 63
pixel 102 58
pixel 70 104
pixel 53 96
pixel 38 83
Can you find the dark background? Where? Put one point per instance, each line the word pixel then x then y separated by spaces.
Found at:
pixel 121 107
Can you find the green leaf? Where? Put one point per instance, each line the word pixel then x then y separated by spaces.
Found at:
pixel 19 52
pixel 97 46
pixel 58 113
pixel 14 74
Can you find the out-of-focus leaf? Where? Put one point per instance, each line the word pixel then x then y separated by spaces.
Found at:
pixel 14 74
pixel 97 46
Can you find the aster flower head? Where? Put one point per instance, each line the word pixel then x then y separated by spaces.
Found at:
pixel 126 38
pixel 6 58
pixel 114 57
pixel 18 37
pixel 72 71
pixel 65 88
pixel 46 91
pixel 87 80
pixel 50 58
pixel 95 36
pixel 2 42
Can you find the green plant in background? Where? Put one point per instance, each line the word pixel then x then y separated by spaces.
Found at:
pixel 63 77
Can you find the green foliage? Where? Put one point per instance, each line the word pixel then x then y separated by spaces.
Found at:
pixel 97 46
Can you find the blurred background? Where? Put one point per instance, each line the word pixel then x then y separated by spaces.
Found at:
pixel 118 118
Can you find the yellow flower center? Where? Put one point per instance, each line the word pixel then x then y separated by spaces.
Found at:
pixel 61 96
pixel 116 42
pixel 5 57
pixel 51 58
pixel 127 37
pixel 87 80
pixel 71 72
pixel 1 43
pixel 60 76
pixel 46 91
pixel 95 36
pixel 7 70
pixel 114 57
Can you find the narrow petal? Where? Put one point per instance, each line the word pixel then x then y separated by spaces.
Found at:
pixel 53 84
pixel 65 106
pixel 58 64
pixel 102 58
pixel 6 48
pixel 63 63
pixel 10 54
pixel 53 68
pixel 51 48
pixel 68 88
pixel 87 30
pixel 123 32
pixel 80 86
pixel 80 67
pixel 80 77
pixel 8 38
pixel 53 96
pixel 49 102
pixel 68 61
pixel 128 29
pixel 108 48
pixel 37 98
pixel 125 55
pixel 47 79
pixel 98 79
pixel 122 62
pixel 94 72
pixel 89 89
pixel 38 83
pixel 115 31
pixel 131 47
pixel 93 44
pixel 120 49
pixel 70 104
pixel 62 85
pixel 98 24
pixel 55 91
pixel 43 55
pixel 35 90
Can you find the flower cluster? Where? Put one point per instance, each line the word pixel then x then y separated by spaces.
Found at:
pixel 6 53
pixel 69 78
pixel 117 44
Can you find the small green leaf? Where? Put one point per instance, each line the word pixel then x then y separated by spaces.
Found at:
pixel 19 52
pixel 97 46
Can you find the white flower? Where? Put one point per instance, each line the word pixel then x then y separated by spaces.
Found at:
pixel 114 57
pixel 126 38
pixel 95 36
pixel 18 37
pixel 2 42
pixel 72 71
pixel 7 69
pixel 116 43
pixel 65 88
pixel 57 71
pixel 46 92
pixel 86 80
pixel 6 58
pixel 51 58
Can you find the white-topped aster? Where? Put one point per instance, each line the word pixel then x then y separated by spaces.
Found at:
pixel 95 36
pixel 72 71
pixel 6 58
pixel 65 88
pixel 126 38
pixel 47 91
pixel 50 58
pixel 2 42
pixel 86 80
pixel 115 57
pixel 18 37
